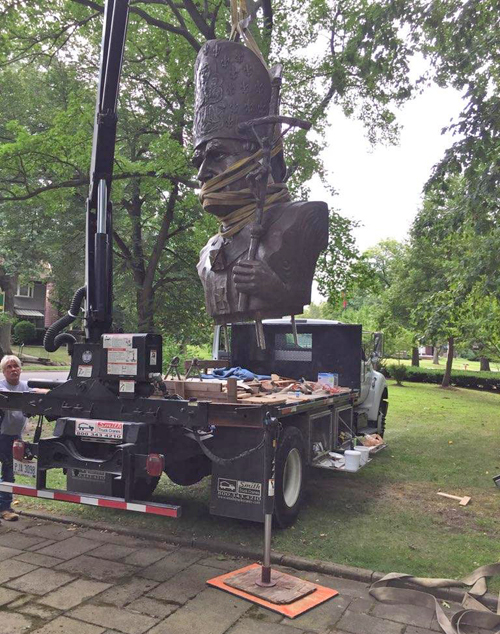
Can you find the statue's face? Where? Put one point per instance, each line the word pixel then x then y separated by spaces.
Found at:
pixel 213 158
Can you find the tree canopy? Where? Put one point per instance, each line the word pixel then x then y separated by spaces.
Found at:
pixel 355 54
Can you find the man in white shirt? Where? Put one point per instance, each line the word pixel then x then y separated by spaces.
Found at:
pixel 11 429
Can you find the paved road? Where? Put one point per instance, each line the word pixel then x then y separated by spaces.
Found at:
pixel 56 578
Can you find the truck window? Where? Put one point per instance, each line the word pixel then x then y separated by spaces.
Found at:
pixel 286 350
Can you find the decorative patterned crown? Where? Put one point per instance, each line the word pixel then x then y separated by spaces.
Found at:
pixel 231 86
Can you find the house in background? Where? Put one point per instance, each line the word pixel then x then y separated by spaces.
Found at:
pixel 32 303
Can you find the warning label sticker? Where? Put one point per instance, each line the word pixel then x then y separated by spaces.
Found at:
pixel 84 371
pixel 239 490
pixel 109 429
pixel 119 341
pixel 127 387
pixel 122 356
pixel 127 369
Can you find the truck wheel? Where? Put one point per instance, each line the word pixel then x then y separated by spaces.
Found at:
pixel 382 413
pixel 189 471
pixel 289 476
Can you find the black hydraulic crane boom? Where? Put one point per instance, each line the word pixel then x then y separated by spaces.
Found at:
pixel 98 290
pixel 99 261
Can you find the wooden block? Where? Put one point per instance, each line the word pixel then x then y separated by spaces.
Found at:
pixel 232 390
pixel 287 589
pixel 204 386
pixel 179 388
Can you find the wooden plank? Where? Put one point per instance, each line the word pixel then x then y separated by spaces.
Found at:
pixel 208 396
pixel 268 399
pixel 463 501
pixel 200 386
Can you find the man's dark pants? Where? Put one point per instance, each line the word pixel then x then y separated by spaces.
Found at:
pixel 6 459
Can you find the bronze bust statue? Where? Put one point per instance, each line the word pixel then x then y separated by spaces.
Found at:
pixel 233 87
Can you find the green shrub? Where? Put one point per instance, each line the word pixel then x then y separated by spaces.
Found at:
pixel 398 372
pixel 488 381
pixel 382 368
pixel 24 332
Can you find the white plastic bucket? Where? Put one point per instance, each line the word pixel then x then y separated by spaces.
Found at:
pixel 365 454
pixel 352 460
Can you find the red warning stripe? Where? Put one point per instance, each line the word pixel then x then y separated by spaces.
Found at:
pixel 169 510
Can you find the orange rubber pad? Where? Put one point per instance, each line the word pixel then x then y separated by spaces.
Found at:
pixel 290 610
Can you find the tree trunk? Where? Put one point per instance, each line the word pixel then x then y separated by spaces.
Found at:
pixel 485 364
pixel 449 363
pixel 5 330
pixel 145 311
pixel 415 357
pixel 7 285
pixel 435 355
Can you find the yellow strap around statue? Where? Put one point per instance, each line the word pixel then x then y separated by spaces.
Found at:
pixel 239 13
pixel 244 199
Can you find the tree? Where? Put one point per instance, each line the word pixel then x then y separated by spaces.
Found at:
pixel 461 41
pixel 153 207
pixel 446 283
pixel 340 267
pixel 48 60
pixel 7 286
pixel 45 132
pixel 481 326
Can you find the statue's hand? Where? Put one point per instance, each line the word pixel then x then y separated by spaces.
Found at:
pixel 254 277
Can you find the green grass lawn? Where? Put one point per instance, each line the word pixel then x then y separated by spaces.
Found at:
pixel 386 517
pixel 61 357
pixel 458 364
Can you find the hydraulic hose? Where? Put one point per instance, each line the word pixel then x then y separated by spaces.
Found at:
pixel 53 340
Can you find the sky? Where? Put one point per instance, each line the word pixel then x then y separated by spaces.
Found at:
pixel 381 187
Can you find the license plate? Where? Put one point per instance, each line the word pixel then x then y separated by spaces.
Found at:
pixel 23 468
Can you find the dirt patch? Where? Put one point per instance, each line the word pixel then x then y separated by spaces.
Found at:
pixel 408 496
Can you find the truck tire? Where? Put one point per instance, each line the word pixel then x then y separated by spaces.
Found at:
pixel 289 476
pixel 382 413
pixel 189 471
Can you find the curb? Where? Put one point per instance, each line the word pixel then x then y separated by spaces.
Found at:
pixel 290 561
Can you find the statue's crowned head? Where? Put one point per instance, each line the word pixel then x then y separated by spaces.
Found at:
pixel 232 86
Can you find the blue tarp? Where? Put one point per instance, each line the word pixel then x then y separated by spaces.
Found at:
pixel 234 373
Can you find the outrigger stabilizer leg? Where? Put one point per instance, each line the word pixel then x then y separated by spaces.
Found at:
pixel 259 583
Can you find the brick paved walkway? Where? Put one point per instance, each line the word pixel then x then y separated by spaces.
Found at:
pixel 56 578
